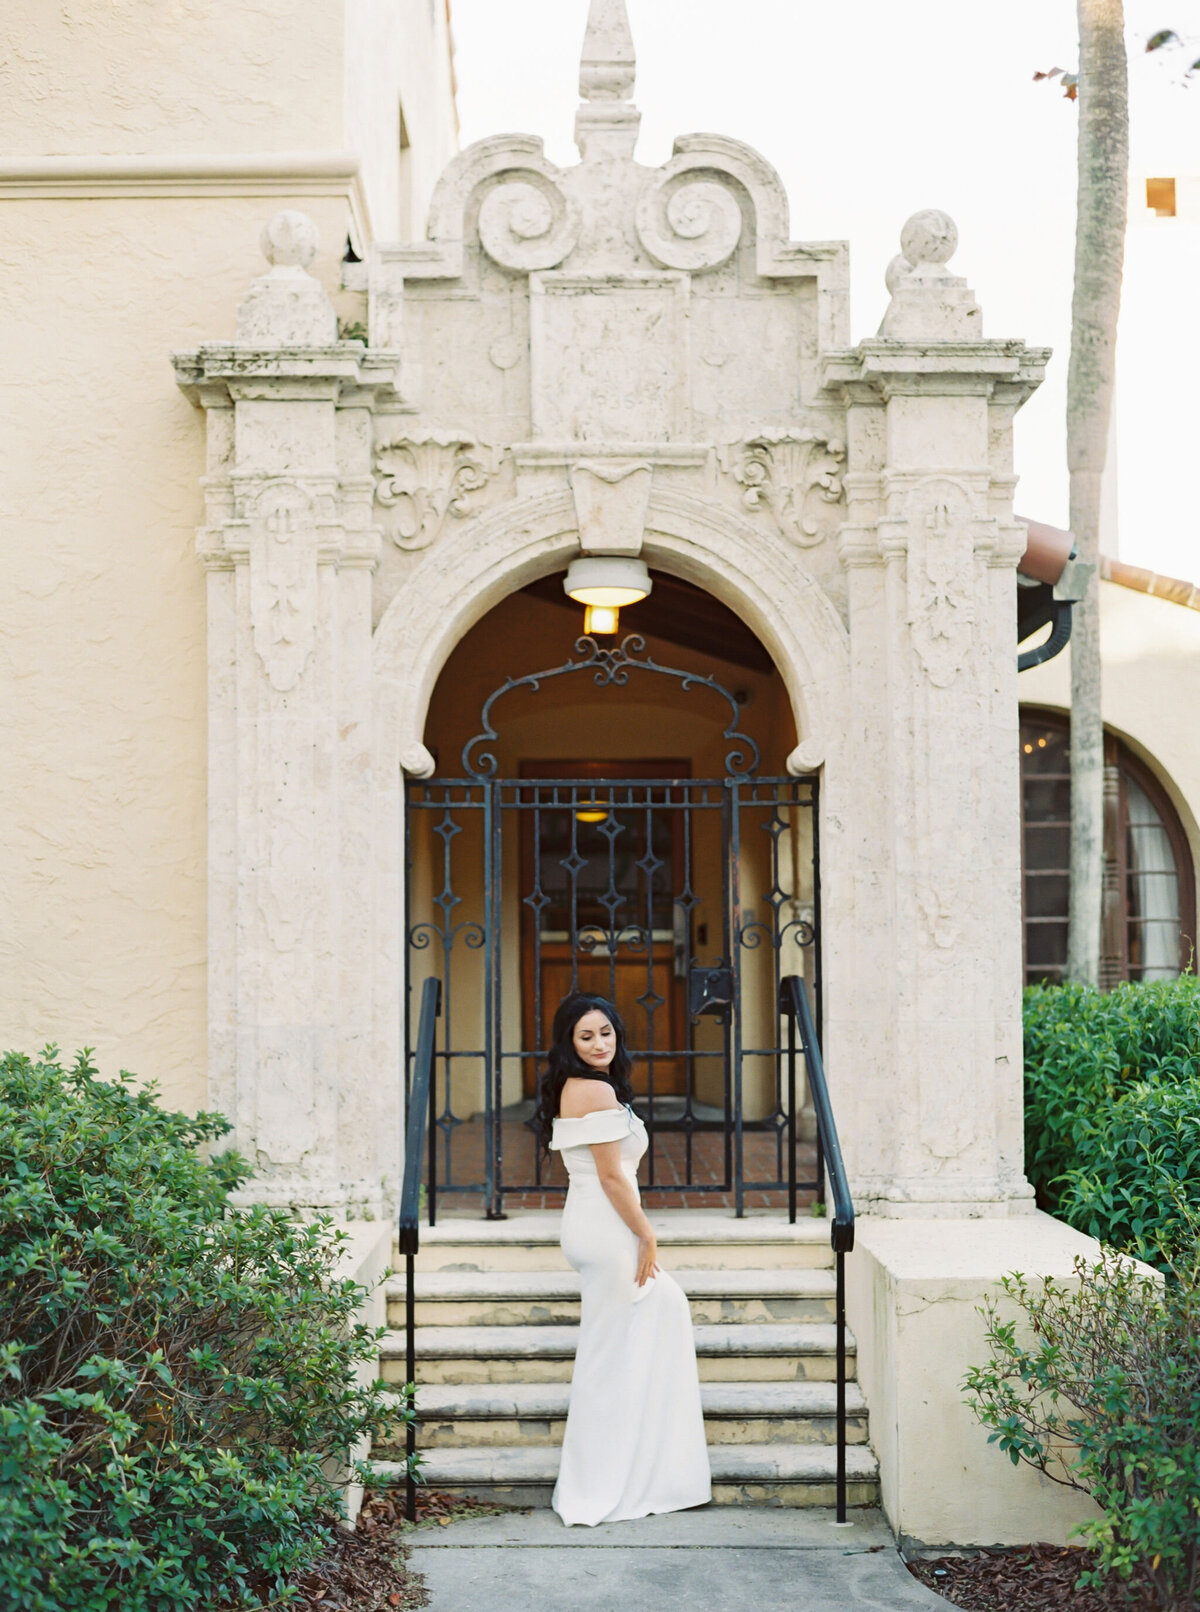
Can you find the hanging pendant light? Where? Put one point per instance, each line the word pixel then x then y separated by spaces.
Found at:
pixel 607 580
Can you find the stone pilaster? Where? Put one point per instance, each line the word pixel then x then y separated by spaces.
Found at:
pixel 926 1023
pixel 289 546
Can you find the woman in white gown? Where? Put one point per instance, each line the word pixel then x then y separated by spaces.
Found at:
pixel 634 1441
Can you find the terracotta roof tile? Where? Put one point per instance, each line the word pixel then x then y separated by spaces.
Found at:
pixel 1133 576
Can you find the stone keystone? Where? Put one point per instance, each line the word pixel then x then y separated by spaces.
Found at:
pixel 610 505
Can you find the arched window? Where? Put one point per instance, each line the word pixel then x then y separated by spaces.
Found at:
pixel 1149 918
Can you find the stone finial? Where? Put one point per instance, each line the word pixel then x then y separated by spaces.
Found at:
pixel 606 124
pixel 927 300
pixel 607 66
pixel 928 240
pixel 287 306
pixel 289 240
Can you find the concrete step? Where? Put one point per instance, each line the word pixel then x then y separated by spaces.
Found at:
pixel 463 1416
pixel 548 1297
pixel 690 1239
pixel 782 1351
pixel 743 1474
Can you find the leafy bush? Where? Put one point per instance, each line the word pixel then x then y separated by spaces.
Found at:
pixel 1139 1172
pixel 1102 1392
pixel 1112 1101
pixel 179 1379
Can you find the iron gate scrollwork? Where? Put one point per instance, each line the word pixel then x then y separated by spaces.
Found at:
pixel 685 900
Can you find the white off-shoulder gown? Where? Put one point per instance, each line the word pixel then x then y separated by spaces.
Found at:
pixel 634 1441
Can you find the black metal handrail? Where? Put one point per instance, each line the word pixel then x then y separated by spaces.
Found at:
pixel 420 1103
pixel 795 1006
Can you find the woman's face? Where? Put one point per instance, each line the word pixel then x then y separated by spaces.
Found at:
pixel 595 1040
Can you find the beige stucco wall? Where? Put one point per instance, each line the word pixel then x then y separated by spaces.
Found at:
pixel 103 794
pixel 171 75
pixel 103 692
pixel 1151 689
pixel 398 56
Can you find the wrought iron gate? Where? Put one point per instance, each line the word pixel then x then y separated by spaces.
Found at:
pixel 684 900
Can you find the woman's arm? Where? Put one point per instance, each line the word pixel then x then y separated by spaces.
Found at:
pixel 622 1194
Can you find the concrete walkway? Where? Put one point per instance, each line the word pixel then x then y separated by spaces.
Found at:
pixel 713 1559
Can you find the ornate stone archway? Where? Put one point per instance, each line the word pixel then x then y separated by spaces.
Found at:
pixel 622 360
pixel 759 577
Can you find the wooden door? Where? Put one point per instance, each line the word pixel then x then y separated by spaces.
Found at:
pixel 609 922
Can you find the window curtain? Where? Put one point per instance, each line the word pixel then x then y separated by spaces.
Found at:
pixel 1153 887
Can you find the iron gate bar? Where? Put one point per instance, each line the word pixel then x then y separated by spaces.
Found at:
pixel 493 1104
pixel 642 915
pixel 733 907
pixel 781 804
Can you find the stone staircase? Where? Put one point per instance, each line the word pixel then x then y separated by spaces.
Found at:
pixel 497 1311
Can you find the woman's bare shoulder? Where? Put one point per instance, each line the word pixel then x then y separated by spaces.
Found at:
pixel 581 1096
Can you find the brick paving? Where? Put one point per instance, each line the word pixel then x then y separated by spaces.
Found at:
pixel 671 1189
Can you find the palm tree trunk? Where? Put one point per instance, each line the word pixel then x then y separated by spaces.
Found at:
pixel 1099 258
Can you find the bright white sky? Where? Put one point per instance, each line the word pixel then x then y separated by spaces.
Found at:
pixel 871 109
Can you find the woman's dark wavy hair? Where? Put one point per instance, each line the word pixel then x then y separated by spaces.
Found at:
pixel 563 1061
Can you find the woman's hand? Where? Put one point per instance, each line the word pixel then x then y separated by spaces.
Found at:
pixel 647 1258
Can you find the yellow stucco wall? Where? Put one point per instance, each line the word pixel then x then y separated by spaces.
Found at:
pixel 102 646
pixel 103 692
pixel 171 75
pixel 1150 650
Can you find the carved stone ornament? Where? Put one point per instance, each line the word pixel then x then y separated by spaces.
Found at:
pixel 927 300
pixel 688 221
pixel 941 907
pixel 610 505
pixel 796 473
pixel 283 582
pixel 941 610
pixel 526 223
pixel 423 479
pixel 287 306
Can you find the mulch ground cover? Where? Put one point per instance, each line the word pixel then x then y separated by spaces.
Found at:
pixel 365 1571
pixel 1038 1578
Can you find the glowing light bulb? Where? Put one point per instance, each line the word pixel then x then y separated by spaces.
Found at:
pixel 601 618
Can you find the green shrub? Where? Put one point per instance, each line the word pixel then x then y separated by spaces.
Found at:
pixel 179 1380
pixel 1101 1391
pixel 1139 1172
pixel 1112 1100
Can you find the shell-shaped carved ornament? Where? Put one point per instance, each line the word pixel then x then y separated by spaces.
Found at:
pixel 527 223
pixel 689 221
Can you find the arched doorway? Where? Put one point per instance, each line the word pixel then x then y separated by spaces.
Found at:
pixel 613 814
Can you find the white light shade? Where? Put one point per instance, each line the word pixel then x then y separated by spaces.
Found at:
pixel 607 580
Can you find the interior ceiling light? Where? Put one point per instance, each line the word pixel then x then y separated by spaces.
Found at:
pixel 607 580
pixel 601 619
pixel 591 811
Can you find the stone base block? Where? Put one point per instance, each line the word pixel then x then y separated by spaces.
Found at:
pixel 913 1291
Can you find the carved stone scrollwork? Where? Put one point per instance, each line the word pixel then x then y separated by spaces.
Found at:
pixel 283 582
pixel 941 610
pixel 423 479
pixel 796 473
pixel 526 223
pixel 688 221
